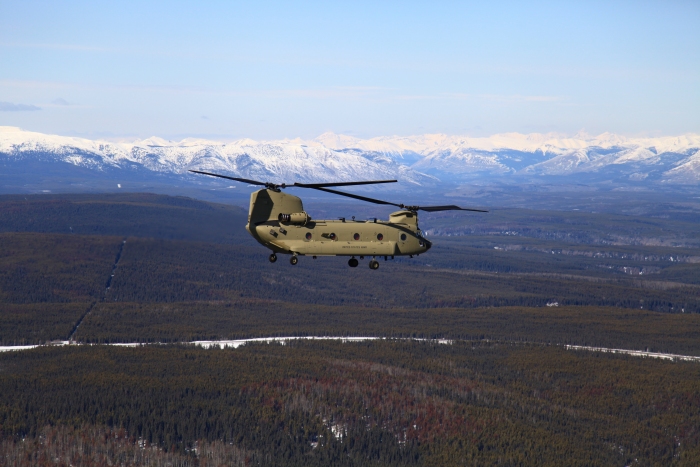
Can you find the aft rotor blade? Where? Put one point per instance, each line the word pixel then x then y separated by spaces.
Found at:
pixel 244 180
pixel 361 198
pixel 321 185
pixel 447 208
pixel 402 206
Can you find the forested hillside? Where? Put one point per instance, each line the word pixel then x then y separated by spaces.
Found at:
pixel 323 403
pixel 202 287
pixel 131 214
pixel 157 269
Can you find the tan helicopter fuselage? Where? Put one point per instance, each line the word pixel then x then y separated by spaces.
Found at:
pixel 278 221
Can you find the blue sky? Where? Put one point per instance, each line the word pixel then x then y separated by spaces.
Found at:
pixel 285 69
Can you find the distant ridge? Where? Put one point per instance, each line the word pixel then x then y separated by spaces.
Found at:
pixel 420 160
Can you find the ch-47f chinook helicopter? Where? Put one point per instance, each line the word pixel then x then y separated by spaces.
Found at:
pixel 278 221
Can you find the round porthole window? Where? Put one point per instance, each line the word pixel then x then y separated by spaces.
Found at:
pixel 332 236
pixel 308 235
pixel 403 237
pixel 380 237
pixel 356 236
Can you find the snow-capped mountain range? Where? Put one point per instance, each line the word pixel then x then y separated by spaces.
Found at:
pixel 416 160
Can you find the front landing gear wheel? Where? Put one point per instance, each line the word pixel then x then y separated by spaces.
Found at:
pixel 374 264
pixel 294 260
pixel 273 258
pixel 352 262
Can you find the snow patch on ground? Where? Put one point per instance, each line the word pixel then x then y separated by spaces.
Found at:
pixel 235 343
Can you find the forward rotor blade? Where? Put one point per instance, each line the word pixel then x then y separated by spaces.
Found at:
pixel 361 198
pixel 244 180
pixel 321 185
pixel 447 208
pixel 300 185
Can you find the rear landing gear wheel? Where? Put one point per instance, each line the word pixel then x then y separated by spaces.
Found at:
pixel 273 258
pixel 374 264
pixel 294 260
pixel 352 262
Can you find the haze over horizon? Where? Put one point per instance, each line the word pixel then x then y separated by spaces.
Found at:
pixel 273 71
pixel 582 134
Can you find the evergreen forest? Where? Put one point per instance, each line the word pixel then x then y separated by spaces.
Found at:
pixel 470 365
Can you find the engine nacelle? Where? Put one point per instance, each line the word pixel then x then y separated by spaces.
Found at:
pixel 296 218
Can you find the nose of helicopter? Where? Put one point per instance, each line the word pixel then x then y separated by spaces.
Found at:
pixel 427 244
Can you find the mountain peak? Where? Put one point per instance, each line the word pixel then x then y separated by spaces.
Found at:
pixel 415 159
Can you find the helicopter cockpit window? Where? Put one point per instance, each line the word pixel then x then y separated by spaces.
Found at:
pixel 308 235
pixel 403 237
pixel 380 237
pixel 356 236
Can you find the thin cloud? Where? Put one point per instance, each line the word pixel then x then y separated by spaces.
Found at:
pixel 77 47
pixel 490 97
pixel 340 92
pixel 60 101
pixel 376 93
pixel 27 84
pixel 10 107
pixel 519 98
